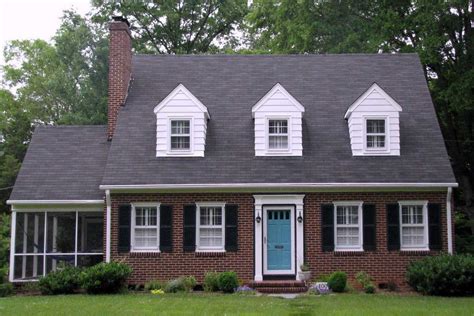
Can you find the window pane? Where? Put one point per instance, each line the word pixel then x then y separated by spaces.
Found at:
pixel 28 267
pixel 412 214
pixel 413 236
pixel 180 142
pixel 375 141
pixel 375 126
pixel 29 232
pixel 210 237
pixel 88 260
pixel 180 127
pixel 61 232
pixel 146 237
pixel 278 142
pixel 278 126
pixel 90 232
pixel 56 261
pixel 347 215
pixel 205 216
pixel 347 236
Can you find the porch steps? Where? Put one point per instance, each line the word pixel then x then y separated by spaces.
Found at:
pixel 285 286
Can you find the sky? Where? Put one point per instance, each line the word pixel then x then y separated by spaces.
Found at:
pixel 32 19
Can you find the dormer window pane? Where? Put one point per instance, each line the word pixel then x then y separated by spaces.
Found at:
pixel 278 134
pixel 180 135
pixel 375 134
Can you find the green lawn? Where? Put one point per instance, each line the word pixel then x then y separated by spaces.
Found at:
pixel 214 304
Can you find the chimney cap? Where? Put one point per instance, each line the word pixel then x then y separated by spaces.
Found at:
pixel 119 18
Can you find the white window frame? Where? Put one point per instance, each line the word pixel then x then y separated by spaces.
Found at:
pixel 267 134
pixel 134 248
pixel 372 150
pixel 425 245
pixel 200 205
pixel 191 135
pixel 358 247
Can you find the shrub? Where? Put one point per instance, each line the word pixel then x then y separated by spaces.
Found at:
pixel 338 281
pixel 448 275
pixel 154 285
pixel 323 278
pixel 366 281
pixel 104 278
pixel 211 282
pixel 228 281
pixel 392 286
pixel 175 286
pixel 189 283
pixel 6 289
pixel 65 280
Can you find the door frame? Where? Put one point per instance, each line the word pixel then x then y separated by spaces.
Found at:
pixel 267 208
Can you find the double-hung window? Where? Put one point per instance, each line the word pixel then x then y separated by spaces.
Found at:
pixel 180 136
pixel 348 225
pixel 375 134
pixel 145 228
pixel 278 134
pixel 413 225
pixel 210 227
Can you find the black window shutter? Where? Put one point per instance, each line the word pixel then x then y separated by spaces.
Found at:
pixel 434 226
pixel 189 228
pixel 124 220
pixel 231 229
pixel 327 224
pixel 166 224
pixel 369 227
pixel 393 227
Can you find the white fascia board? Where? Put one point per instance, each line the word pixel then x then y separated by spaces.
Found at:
pixel 277 185
pixel 269 94
pixel 183 89
pixel 373 87
pixel 54 202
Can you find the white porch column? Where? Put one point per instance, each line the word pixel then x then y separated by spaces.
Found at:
pixel 12 246
pixel 258 241
pixel 299 237
pixel 108 223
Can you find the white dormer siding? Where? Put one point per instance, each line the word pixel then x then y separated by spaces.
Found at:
pixel 374 126
pixel 278 130
pixel 181 124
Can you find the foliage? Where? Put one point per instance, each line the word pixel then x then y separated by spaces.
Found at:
pixel 228 281
pixel 366 281
pixel 175 286
pixel 176 27
pixel 323 278
pixel 189 283
pixel 4 243
pixel 447 275
pixel 105 278
pixel 65 280
pixel 464 239
pixel 6 289
pixel 154 285
pixel 211 282
pixel 304 267
pixel 338 281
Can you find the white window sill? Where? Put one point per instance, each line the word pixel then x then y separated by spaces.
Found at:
pixel 145 250
pixel 415 249
pixel 210 250
pixel 348 249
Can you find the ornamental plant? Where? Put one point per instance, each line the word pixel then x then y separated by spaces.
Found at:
pixel 65 280
pixel 338 281
pixel 105 278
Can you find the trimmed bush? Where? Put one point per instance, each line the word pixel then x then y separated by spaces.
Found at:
pixel 338 281
pixel 65 280
pixel 446 275
pixel 6 289
pixel 228 281
pixel 211 282
pixel 154 285
pixel 105 278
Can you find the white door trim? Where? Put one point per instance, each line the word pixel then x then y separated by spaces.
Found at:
pixel 262 200
pixel 265 235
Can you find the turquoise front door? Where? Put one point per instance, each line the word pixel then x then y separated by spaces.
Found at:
pixel 278 240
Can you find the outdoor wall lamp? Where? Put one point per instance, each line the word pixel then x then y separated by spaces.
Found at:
pixel 258 219
pixel 300 218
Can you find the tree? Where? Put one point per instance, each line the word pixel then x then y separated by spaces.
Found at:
pixel 176 27
pixel 440 31
pixel 63 82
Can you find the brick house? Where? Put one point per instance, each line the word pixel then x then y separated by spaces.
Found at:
pixel 255 164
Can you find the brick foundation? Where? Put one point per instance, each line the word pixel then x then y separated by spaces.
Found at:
pixel 383 265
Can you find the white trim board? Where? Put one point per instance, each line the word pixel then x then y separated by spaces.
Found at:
pixel 54 202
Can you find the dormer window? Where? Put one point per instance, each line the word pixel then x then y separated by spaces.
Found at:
pixel 180 137
pixel 278 134
pixel 375 134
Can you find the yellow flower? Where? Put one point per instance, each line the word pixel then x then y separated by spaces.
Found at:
pixel 157 292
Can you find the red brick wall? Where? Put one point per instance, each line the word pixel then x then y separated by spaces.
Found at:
pixel 120 64
pixel 382 265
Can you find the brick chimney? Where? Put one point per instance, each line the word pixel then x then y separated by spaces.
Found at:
pixel 120 68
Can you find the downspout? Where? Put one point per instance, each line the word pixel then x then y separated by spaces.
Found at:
pixel 108 225
pixel 449 220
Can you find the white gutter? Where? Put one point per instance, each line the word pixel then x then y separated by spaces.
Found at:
pixel 54 202
pixel 449 220
pixel 277 185
pixel 108 225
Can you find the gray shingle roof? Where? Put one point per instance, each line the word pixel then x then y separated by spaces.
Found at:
pixel 63 163
pixel 326 85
